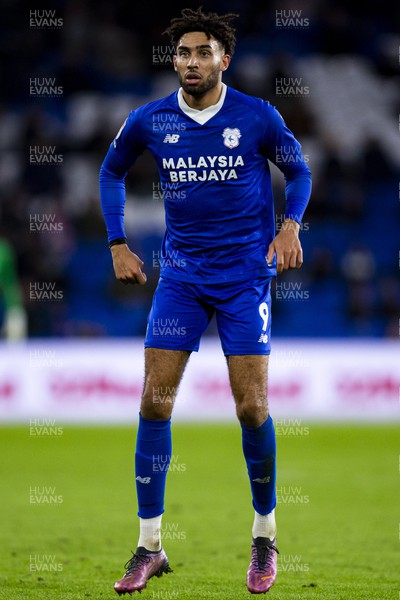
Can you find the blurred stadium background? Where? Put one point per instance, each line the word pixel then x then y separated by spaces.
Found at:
pixel 71 335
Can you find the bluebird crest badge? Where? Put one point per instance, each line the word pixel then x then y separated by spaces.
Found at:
pixel 231 137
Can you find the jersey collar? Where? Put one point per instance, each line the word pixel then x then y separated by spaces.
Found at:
pixel 201 116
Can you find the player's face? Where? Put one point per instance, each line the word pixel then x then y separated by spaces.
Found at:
pixel 199 62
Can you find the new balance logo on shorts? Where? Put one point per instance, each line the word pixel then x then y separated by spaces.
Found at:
pixel 263 338
pixel 143 479
pixel 171 138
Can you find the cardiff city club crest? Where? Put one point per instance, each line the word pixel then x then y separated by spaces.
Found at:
pixel 231 137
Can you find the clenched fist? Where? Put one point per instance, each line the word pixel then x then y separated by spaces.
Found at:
pixel 127 265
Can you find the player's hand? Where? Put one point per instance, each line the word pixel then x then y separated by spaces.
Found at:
pixel 127 266
pixel 287 246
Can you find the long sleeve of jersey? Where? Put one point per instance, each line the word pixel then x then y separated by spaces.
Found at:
pixel 122 154
pixel 282 148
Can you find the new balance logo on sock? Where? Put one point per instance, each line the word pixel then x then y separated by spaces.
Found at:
pixel 143 479
pixel 264 480
pixel 171 138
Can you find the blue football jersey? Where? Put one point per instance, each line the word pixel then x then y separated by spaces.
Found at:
pixel 215 180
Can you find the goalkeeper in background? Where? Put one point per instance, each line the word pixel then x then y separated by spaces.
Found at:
pixel 13 321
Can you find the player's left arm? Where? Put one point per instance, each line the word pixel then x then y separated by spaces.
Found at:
pixel 282 148
pixel 287 247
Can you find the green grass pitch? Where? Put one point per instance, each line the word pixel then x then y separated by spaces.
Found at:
pixel 68 512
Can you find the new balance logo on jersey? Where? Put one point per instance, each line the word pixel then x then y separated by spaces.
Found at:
pixel 171 138
pixel 264 480
pixel 143 479
pixel 263 338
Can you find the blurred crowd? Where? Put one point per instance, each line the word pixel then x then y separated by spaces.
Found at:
pixel 72 71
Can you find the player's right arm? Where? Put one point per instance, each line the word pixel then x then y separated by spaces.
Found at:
pixel 122 154
pixel 127 265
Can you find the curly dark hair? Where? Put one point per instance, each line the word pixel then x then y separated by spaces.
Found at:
pixel 212 24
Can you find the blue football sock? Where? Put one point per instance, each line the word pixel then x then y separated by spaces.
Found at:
pixel 152 458
pixel 259 449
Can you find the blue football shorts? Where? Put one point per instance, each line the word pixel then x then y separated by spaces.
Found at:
pixel 181 312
